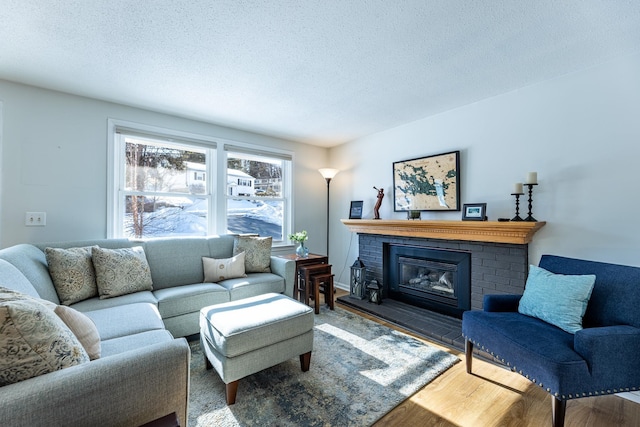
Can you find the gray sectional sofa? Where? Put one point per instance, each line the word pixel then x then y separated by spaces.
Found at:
pixel 143 371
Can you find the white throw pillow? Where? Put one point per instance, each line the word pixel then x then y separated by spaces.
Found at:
pixel 83 328
pixel 216 270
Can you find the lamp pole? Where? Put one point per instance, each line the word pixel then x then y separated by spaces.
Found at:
pixel 328 175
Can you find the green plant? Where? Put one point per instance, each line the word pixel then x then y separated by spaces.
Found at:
pixel 299 237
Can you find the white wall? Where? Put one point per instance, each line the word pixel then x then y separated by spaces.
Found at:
pixel 580 132
pixel 54 160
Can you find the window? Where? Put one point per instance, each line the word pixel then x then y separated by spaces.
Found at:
pixel 163 191
pixel 255 200
pixel 166 183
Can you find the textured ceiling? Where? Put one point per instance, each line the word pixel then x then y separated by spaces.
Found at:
pixel 322 72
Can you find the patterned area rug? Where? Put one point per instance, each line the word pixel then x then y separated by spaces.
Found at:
pixel 360 370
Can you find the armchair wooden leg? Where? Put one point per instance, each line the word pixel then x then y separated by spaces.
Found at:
pixel 558 408
pixel 468 354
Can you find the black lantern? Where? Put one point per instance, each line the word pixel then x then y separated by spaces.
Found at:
pixel 358 274
pixel 375 292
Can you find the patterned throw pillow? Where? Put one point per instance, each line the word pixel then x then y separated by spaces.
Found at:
pixel 216 270
pixel 83 328
pixel 34 340
pixel 121 271
pixel 257 253
pixel 72 273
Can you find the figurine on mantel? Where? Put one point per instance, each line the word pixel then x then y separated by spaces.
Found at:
pixel 376 208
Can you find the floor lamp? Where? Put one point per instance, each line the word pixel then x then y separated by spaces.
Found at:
pixel 328 175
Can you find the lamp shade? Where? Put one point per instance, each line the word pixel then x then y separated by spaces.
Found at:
pixel 328 173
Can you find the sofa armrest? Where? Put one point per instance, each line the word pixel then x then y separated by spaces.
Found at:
pixel 286 269
pixel 610 351
pixel 500 302
pixel 130 388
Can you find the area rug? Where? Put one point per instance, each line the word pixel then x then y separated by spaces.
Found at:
pixel 360 370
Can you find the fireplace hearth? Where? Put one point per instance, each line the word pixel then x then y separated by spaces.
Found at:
pixel 431 278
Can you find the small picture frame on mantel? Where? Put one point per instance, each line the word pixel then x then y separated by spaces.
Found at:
pixel 474 212
pixel 355 212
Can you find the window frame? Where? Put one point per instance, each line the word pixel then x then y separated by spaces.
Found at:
pixel 216 150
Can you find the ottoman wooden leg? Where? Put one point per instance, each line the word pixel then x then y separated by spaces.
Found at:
pixel 207 363
pixel 305 361
pixel 231 391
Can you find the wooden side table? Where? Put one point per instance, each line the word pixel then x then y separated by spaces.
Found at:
pixel 300 261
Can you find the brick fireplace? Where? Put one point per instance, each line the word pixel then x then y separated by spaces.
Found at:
pixel 498 251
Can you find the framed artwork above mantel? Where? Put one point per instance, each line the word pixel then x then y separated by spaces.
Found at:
pixel 430 183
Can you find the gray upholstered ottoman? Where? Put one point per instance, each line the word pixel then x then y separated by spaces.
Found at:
pixel 240 338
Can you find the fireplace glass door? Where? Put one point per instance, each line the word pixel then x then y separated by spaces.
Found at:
pixel 437 279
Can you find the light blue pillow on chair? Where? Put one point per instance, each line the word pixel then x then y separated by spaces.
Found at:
pixel 557 298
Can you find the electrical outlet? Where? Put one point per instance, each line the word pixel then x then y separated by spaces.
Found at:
pixel 35 219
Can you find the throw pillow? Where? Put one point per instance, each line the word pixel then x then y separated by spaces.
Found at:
pixel 216 270
pixel 72 273
pixel 83 328
pixel 257 253
pixel 121 271
pixel 557 298
pixel 34 340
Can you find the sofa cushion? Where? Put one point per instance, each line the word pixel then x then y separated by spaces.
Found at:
pixel 72 273
pixel 125 320
pixel 216 270
pixel 83 328
pixel 121 271
pixel 177 261
pixel 546 353
pixel 34 341
pixel 558 299
pixel 185 299
pixel 252 285
pixel 257 253
pixel 131 342
pixel 99 304
pixel 32 263
pixel 13 278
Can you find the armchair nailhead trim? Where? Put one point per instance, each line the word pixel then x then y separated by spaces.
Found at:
pixel 514 368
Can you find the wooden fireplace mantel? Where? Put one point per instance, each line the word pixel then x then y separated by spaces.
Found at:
pixel 516 232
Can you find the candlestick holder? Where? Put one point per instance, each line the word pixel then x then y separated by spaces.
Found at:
pixel 517 217
pixel 530 217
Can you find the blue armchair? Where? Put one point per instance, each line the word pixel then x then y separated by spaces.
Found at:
pixel 603 358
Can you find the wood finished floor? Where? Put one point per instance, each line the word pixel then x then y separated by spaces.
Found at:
pixel 494 396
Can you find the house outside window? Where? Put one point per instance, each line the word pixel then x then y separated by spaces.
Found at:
pixel 166 183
